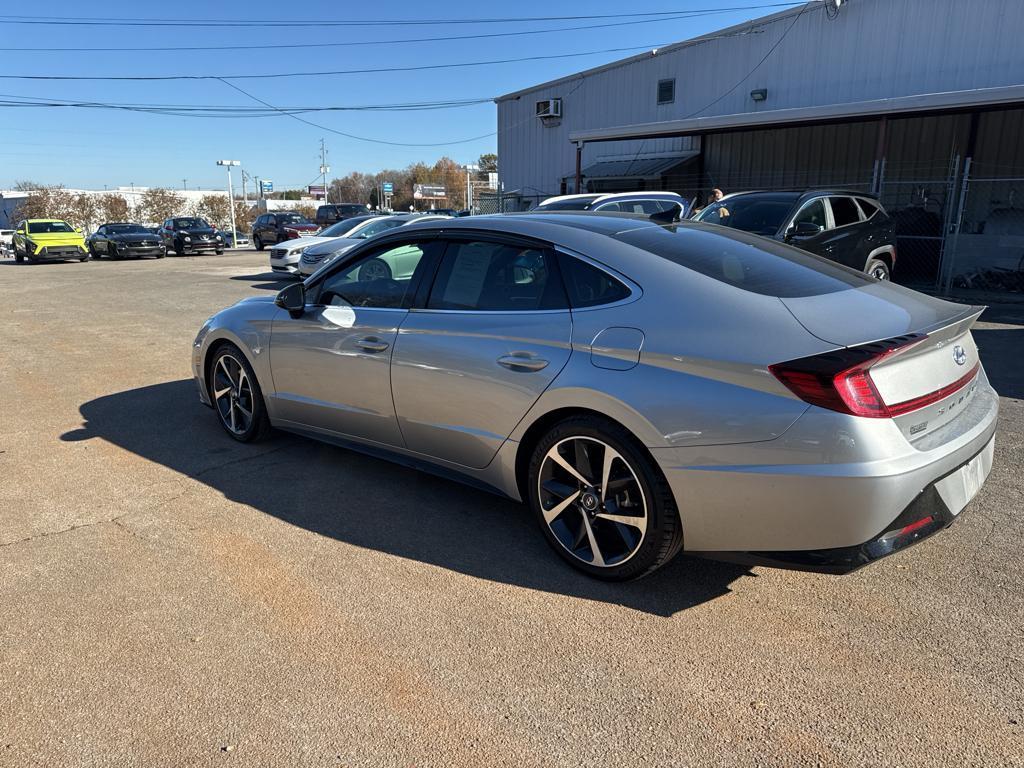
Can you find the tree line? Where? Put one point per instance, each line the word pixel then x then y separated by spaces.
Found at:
pixel 365 187
pixel 87 210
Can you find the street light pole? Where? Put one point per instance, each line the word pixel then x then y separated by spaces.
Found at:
pixel 231 196
pixel 469 186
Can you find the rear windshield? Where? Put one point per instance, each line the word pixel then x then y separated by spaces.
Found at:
pixel 576 204
pixel 43 227
pixel 751 263
pixel 760 215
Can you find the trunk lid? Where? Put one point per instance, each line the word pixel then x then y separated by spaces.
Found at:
pixel 945 359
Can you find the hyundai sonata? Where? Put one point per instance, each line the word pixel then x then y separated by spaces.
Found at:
pixel 645 389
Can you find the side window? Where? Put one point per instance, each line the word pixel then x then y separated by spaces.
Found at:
pixel 495 277
pixel 383 278
pixel 271 221
pixel 587 285
pixel 868 207
pixel 844 211
pixel 813 213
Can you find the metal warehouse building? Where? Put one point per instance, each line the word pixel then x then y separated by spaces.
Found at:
pixel 918 101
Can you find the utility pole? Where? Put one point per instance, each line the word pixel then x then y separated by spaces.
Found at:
pixel 184 183
pixel 324 168
pixel 231 196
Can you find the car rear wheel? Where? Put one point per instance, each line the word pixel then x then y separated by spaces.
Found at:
pixel 236 395
pixel 878 269
pixel 601 502
pixel 257 242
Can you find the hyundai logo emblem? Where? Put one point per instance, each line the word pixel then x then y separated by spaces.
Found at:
pixel 959 355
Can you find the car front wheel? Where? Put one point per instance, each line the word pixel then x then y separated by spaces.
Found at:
pixel 236 395
pixel 878 269
pixel 601 502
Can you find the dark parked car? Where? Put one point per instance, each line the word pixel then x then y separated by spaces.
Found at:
pixel 330 214
pixel 124 240
pixel 279 226
pixel 190 234
pixel 850 228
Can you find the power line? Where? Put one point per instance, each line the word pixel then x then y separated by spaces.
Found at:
pixel 681 16
pixel 365 71
pixel 211 110
pixel 353 136
pixel 192 23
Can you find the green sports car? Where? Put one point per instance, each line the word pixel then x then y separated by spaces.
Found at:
pixel 48 240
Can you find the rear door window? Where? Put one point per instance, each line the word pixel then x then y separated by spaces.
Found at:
pixel 844 211
pixel 868 207
pixel 497 277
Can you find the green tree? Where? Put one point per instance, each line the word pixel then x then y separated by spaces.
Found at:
pixel 488 163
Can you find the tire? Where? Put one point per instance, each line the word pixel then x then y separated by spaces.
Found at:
pixel 225 365
pixel 19 257
pixel 878 269
pixel 219 251
pixel 625 550
pixel 374 269
pixel 92 252
pixel 257 242
pixel 85 258
pixel 162 253
pixel 179 250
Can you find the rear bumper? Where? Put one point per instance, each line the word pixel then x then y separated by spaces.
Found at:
pixel 937 507
pixel 830 482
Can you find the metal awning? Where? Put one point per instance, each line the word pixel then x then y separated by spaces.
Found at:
pixel 980 98
pixel 639 168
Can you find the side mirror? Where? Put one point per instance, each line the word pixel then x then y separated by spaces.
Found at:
pixel 805 229
pixel 293 299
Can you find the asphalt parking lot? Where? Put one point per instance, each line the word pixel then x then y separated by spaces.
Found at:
pixel 171 597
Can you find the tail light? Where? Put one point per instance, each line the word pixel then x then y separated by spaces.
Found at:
pixel 841 380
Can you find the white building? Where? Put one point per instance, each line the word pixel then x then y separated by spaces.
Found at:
pixel 918 101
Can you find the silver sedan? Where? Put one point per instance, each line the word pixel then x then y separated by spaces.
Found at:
pixel 645 389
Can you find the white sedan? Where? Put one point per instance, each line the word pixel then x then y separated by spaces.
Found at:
pixel 323 253
pixel 284 257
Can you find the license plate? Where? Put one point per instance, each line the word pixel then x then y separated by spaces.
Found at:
pixel 959 488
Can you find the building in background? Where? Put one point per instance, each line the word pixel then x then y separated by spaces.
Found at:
pixel 919 101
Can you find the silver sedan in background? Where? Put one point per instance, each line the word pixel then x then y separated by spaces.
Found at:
pixel 645 389
pixel 324 252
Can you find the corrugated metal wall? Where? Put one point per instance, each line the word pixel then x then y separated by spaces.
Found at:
pixel 874 49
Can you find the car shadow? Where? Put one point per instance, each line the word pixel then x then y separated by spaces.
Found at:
pixel 267 281
pixel 375 504
pixel 1000 350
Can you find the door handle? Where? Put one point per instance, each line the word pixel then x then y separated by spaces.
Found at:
pixel 521 361
pixel 372 344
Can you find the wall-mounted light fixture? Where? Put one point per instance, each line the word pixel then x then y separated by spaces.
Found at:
pixel 759 94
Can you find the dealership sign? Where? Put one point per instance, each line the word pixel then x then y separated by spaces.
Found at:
pixel 429 192
pixel 389 188
pixel 315 190
pixel 267 186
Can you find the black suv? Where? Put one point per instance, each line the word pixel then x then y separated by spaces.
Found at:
pixel 330 214
pixel 190 234
pixel 850 228
pixel 279 226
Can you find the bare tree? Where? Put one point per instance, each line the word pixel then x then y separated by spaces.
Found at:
pixel 112 207
pixel 243 215
pixel 216 209
pixel 158 204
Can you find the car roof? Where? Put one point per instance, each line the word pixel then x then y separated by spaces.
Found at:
pixel 604 223
pixel 44 221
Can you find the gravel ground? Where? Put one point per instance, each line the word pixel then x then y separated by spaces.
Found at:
pixel 173 598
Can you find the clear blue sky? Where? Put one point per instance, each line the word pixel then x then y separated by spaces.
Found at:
pixel 87 148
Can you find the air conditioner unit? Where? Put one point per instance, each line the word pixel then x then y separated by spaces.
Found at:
pixel 549 108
